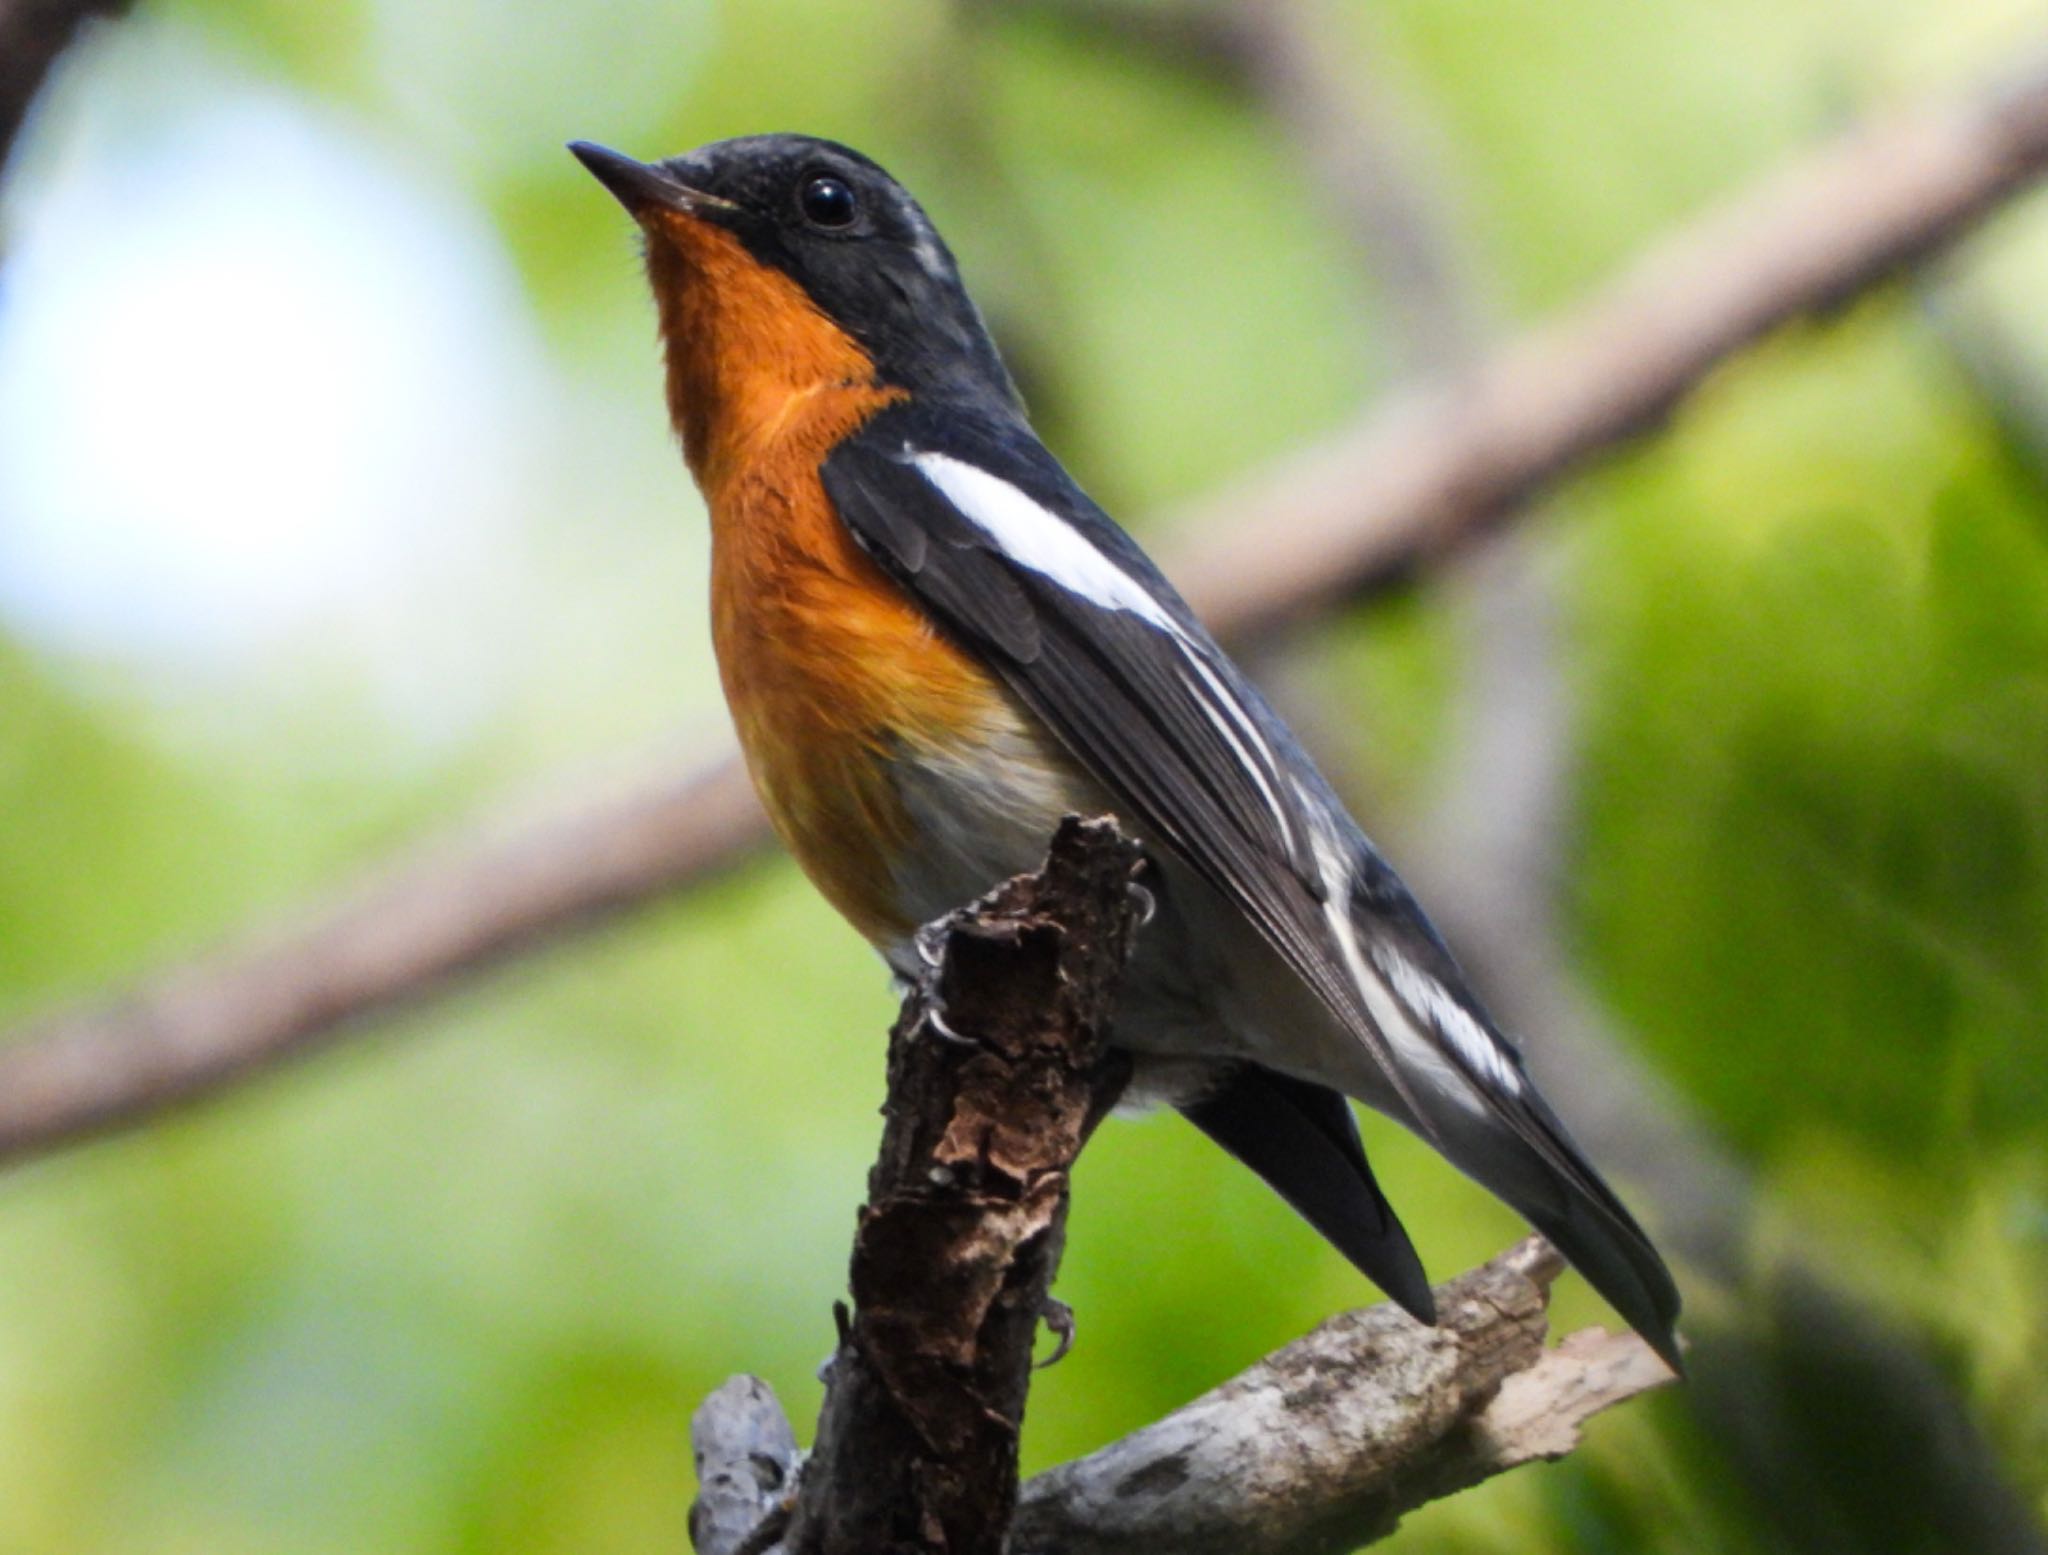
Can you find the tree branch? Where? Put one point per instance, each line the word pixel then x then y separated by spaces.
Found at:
pixel 1439 464
pixel 998 1073
pixel 1433 468
pixel 1780 1329
pixel 747 1464
pixel 1323 1446
pixel 456 906
pixel 1371 161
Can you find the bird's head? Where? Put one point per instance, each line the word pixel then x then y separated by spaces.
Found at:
pixel 800 259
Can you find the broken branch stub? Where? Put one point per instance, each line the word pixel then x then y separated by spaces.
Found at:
pixel 999 1070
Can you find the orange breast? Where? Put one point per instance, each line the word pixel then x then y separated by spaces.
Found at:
pixel 832 675
pixel 833 678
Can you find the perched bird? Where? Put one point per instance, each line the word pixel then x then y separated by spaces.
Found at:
pixel 935 646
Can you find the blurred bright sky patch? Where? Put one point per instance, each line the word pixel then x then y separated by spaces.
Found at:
pixel 263 397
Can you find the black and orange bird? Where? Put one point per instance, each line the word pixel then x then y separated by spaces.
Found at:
pixel 935 646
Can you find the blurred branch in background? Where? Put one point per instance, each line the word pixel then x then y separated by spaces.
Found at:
pixel 1372 160
pixel 32 34
pixel 460 903
pixel 1443 462
pixel 1486 857
pixel 1435 467
pixel 1894 1461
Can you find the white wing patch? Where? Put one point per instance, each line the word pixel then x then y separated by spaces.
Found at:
pixel 1033 536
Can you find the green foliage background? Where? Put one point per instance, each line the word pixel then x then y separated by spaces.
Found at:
pixel 456 1288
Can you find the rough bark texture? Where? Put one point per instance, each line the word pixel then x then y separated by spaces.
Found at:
pixel 998 1072
pixel 1325 1445
pixel 1321 1447
pixel 747 1463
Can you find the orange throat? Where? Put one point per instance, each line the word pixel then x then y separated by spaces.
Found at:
pixel 749 353
pixel 833 676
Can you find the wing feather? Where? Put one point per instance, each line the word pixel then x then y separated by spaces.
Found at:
pixel 1012 560
pixel 1116 665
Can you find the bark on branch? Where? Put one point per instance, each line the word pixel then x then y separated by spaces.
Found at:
pixel 998 1073
pixel 1322 1447
pixel 1428 470
pixel 1325 1445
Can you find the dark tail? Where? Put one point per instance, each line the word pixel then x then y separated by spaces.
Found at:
pixel 1541 1172
pixel 1303 1140
pixel 1619 1262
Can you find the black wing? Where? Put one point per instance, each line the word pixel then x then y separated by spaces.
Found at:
pixel 1016 563
pixel 984 529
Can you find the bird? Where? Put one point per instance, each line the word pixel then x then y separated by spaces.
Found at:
pixel 934 646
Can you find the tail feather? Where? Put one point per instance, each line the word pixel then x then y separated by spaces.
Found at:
pixel 1558 1191
pixel 1469 1094
pixel 1624 1269
pixel 1303 1140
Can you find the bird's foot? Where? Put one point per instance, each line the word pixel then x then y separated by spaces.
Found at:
pixel 1148 904
pixel 935 1022
pixel 1058 1318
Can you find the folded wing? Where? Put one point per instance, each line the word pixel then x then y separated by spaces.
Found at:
pixel 982 526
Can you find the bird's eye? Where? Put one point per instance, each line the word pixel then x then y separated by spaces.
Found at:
pixel 827 201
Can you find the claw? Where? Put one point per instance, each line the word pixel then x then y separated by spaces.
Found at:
pixel 1059 1318
pixel 927 940
pixel 937 1022
pixel 1148 907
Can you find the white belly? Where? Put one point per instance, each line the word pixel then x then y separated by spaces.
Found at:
pixel 981 818
pixel 1203 984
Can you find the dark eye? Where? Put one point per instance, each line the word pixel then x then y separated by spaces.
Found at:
pixel 827 201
